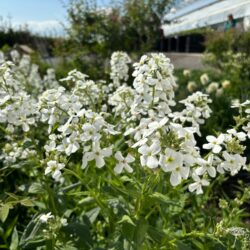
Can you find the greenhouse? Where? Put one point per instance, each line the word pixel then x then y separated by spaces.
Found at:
pixel 205 13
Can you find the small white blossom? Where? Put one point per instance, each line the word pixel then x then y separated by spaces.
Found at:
pixel 54 168
pixel 206 167
pixel 172 162
pixel 45 217
pixel 214 143
pixel 197 185
pixel 96 154
pixel 149 154
pixel 123 163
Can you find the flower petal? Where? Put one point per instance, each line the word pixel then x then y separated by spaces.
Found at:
pixel 175 179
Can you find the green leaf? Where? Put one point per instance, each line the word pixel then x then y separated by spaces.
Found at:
pixel 35 188
pixel 126 219
pixel 93 213
pixel 79 234
pixel 10 227
pixel 27 203
pixel 141 231
pixel 4 211
pixel 182 246
pixel 15 197
pixel 162 198
pixel 14 240
pixel 31 230
pixel 198 244
pixel 155 234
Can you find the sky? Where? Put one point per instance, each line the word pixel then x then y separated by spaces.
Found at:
pixel 41 16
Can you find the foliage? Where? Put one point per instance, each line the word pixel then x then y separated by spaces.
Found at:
pixel 132 25
pixel 229 52
pixel 94 32
pixel 112 166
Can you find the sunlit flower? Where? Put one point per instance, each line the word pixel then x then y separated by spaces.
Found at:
pixel 123 163
pixel 54 168
pixel 149 154
pixel 197 185
pixel 214 143
pixel 45 217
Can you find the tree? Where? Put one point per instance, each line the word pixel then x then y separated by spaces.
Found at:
pixel 94 32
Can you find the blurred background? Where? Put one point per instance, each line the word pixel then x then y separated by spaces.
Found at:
pixel 82 34
pixel 71 30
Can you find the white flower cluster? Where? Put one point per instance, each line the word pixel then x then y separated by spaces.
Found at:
pixel 79 123
pixel 119 67
pixel 28 73
pixel 12 153
pixel 122 99
pixel 17 108
pixel 78 127
pixel 196 110
pixel 154 85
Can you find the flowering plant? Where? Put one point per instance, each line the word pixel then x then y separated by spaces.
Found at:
pixel 118 166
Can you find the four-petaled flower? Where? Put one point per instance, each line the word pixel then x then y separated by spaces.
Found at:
pixel 123 163
pixel 96 154
pixel 197 185
pixel 172 162
pixel 55 168
pixel 149 154
pixel 214 143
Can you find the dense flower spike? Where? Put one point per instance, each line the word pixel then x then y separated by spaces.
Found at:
pixel 119 68
pixel 154 85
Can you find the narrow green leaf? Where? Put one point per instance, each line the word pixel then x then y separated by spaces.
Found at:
pixel 14 240
pixel 4 211
pixel 93 213
pixel 141 231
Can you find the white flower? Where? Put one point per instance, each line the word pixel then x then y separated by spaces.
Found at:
pixel 96 154
pixel 50 147
pixel 235 103
pixel 72 144
pixel 172 162
pixel 212 87
pixel 119 67
pixel 123 163
pixel 64 222
pixel 191 86
pixel 89 133
pixel 240 135
pixel 225 84
pixel 170 159
pixel 149 154
pixel 204 79
pixel 214 143
pixel 219 92
pixel 45 217
pixel 186 72
pixel 247 129
pixel 232 163
pixel 197 185
pixel 206 167
pixel 55 168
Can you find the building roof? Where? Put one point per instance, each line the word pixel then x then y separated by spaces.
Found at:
pixel 204 13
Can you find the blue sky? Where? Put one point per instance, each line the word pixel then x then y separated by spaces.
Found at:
pixel 42 16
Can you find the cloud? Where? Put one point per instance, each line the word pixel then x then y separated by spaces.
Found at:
pixel 46 27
